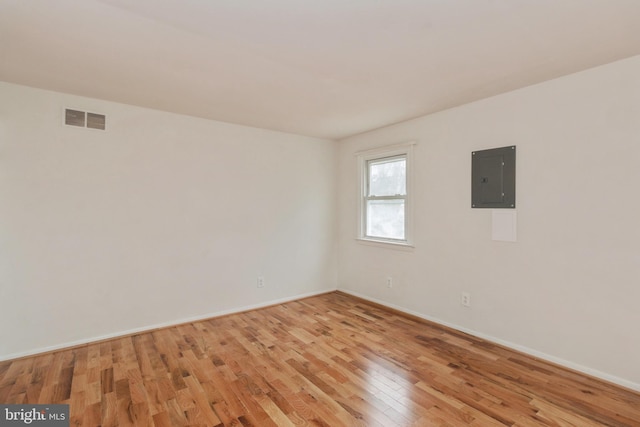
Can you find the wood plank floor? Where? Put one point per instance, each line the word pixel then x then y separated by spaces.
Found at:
pixel 331 360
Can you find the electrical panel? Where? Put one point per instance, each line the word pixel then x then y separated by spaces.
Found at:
pixel 493 178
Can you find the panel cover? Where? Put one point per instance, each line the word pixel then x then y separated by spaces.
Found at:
pixel 493 178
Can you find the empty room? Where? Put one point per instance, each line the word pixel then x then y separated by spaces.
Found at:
pixel 319 213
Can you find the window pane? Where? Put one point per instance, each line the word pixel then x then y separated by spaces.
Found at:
pixel 388 177
pixel 385 218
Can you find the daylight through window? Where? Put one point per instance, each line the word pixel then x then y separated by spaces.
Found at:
pixel 386 198
pixel 385 192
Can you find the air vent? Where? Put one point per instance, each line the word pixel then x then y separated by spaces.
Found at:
pixel 74 118
pixel 96 121
pixel 84 120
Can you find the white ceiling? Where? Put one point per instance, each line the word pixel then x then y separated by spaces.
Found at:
pixel 326 68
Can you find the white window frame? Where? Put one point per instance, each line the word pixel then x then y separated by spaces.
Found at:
pixel 364 157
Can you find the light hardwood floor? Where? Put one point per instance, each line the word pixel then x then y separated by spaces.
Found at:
pixel 331 360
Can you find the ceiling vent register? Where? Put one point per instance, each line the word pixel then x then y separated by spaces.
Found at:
pixel 84 120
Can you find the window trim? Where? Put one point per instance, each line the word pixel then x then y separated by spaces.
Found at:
pixel 364 157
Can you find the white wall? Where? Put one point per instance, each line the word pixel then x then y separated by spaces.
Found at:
pixel 159 219
pixel 569 288
pixel 164 218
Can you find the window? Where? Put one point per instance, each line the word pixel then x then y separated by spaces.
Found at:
pixel 385 187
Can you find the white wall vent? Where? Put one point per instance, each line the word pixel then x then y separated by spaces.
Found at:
pixel 84 120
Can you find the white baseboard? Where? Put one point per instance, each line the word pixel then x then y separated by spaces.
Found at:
pixel 158 326
pixel 531 352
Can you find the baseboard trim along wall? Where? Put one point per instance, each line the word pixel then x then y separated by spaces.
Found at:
pixel 122 334
pixel 522 349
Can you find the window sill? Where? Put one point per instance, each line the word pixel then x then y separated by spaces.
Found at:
pixel 386 244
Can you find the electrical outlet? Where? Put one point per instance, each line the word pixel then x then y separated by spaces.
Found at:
pixel 260 282
pixel 465 299
pixel 389 282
